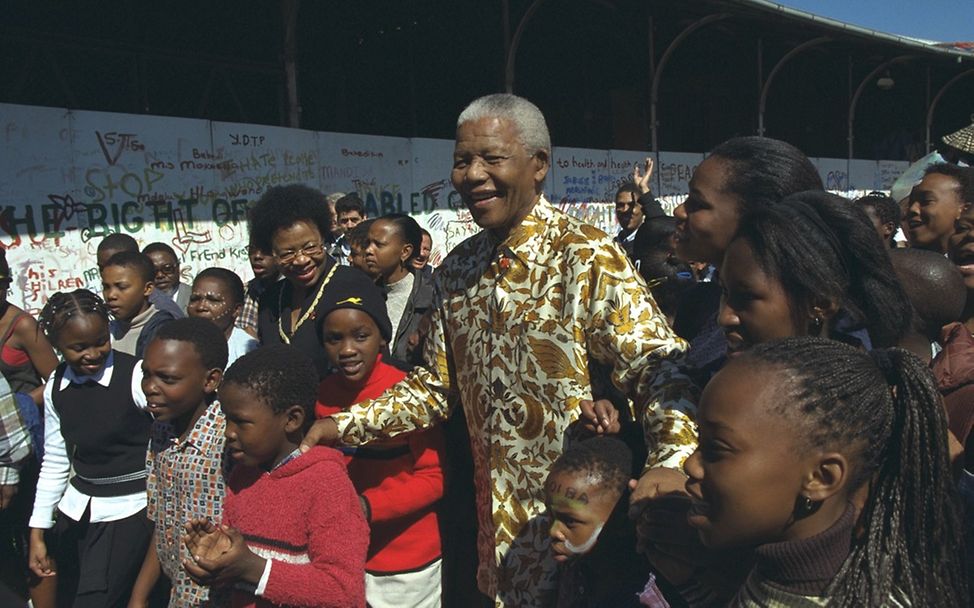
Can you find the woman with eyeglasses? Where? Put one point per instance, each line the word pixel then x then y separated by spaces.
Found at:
pixel 293 222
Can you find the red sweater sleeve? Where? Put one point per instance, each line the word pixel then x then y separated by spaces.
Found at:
pixel 411 491
pixel 338 539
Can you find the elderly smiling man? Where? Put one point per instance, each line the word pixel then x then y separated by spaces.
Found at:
pixel 525 306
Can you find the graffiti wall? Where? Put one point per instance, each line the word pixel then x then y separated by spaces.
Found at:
pixel 68 178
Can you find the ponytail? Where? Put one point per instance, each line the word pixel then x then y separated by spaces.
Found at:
pixel 884 410
pixel 910 549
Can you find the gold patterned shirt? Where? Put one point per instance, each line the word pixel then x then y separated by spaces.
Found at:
pixel 516 326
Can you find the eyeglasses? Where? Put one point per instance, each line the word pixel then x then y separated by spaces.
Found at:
pixel 310 250
pixel 166 268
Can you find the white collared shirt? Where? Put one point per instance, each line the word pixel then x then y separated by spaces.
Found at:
pixel 52 485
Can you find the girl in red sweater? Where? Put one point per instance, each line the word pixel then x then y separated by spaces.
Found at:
pixel 399 481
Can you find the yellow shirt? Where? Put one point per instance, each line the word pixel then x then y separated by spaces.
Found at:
pixel 513 333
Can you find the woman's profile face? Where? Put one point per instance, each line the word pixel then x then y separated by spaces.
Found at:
pixel 707 220
pixel 754 307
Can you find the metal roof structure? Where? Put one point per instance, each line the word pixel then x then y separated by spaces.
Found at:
pixel 635 74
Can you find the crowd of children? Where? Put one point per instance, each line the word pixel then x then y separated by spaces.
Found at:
pixel 829 468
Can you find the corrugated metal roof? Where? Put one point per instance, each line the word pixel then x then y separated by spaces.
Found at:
pixel 960 50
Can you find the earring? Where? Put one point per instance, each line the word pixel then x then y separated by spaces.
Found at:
pixel 817 323
pixel 805 506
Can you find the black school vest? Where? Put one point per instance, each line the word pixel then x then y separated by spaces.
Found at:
pixel 108 431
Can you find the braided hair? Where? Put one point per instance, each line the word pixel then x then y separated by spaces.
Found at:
pixel 62 306
pixel 822 248
pixel 882 409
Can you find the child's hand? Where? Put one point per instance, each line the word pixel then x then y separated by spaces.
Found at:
pixel 600 417
pixel 237 564
pixel 39 561
pixel 204 538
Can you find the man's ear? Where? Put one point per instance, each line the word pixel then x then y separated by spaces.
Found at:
pixel 212 381
pixel 295 419
pixel 149 287
pixel 828 476
pixel 543 163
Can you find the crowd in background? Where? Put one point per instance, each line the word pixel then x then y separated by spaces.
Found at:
pixel 759 401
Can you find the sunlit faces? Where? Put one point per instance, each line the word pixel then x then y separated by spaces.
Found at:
pixel 125 291
pixel 257 436
pixel 935 205
pixel 962 247
pixel 352 341
pixel 262 263
pixel 213 300
pixel 754 307
pixel 349 219
pixel 85 343
pixel 425 248
pixel 628 211
pixel 746 475
pixel 387 252
pixel 707 220
pixel 299 249
pixel 175 381
pixel 579 506
pixel 167 270
pixel 497 178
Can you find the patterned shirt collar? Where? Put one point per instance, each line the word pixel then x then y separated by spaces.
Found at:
pixel 202 431
pixel 522 242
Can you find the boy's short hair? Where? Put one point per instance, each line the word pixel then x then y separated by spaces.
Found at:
pixel 118 241
pixel 358 236
pixel 605 457
pixel 349 202
pixel 160 248
pixel 138 262
pixel 207 339
pixel 280 375
pixel 232 281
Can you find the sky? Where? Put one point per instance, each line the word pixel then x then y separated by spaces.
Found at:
pixel 938 20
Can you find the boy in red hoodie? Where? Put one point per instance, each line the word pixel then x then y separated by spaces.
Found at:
pixel 293 533
pixel 399 481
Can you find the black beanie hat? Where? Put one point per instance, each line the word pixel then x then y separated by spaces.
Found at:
pixel 354 289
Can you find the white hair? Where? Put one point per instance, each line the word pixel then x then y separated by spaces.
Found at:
pixel 526 117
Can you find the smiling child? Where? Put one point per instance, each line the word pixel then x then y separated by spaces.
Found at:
pixel 89 525
pixel 790 433
pixel 400 480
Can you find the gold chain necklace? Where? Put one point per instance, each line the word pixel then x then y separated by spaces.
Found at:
pixel 307 314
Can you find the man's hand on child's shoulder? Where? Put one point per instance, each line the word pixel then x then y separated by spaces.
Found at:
pixel 322 432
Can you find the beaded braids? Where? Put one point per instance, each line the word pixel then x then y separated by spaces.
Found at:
pixel 883 410
pixel 62 306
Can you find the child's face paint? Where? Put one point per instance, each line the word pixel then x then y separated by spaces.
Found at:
pixel 747 471
pixel 578 508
